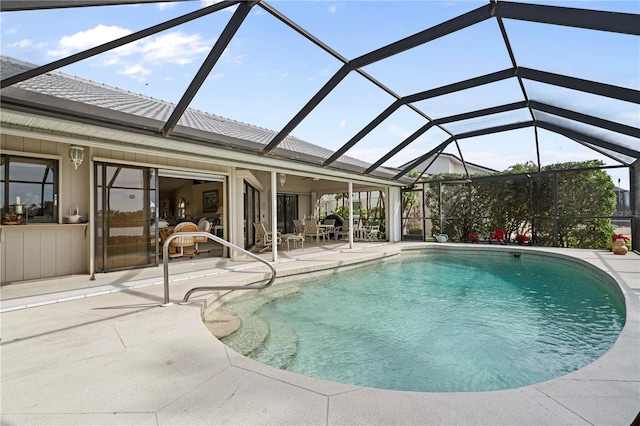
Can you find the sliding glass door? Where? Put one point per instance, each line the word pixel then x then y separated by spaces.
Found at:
pixel 251 214
pixel 125 208
pixel 287 211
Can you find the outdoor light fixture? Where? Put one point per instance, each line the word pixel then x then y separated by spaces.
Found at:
pixel 76 154
pixel 283 179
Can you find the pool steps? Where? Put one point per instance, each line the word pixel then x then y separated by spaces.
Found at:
pixel 254 332
pixel 278 351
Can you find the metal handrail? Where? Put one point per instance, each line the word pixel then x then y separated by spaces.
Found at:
pixel 165 255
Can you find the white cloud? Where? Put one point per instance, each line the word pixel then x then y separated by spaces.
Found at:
pixel 397 130
pixel 83 40
pixel 343 124
pixel 175 47
pixel 137 70
pixel 139 58
pixel 11 31
pixel 335 7
pixel 26 43
pixel 165 6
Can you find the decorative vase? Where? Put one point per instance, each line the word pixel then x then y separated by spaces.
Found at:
pixel 442 238
pixel 619 247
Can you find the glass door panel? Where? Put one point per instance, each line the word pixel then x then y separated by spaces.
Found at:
pixel 125 209
pixel 251 214
pixel 287 212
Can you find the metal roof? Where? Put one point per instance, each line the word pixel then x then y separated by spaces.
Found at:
pixel 524 99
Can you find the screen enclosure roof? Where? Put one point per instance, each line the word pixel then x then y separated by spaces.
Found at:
pixel 493 83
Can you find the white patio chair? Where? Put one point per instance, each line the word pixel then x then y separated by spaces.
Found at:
pixel 266 238
pixel 372 232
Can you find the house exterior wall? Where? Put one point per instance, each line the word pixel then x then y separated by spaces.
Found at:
pixel 47 250
pixel 42 250
pixel 35 251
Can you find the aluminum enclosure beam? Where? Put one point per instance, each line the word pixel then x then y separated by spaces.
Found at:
pixel 455 24
pixel 572 134
pixel 450 88
pixel 400 147
pixel 461 85
pixel 423 157
pixel 218 48
pixel 18 5
pixel 9 81
pixel 482 112
pixel 448 27
pixel 618 22
pixel 587 119
pixel 587 86
pixel 443 120
pixel 365 131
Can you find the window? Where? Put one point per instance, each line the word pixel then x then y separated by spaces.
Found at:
pixel 182 209
pixel 32 183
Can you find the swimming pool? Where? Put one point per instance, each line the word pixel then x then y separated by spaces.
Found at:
pixel 433 323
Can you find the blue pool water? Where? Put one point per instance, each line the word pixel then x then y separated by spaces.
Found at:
pixel 440 323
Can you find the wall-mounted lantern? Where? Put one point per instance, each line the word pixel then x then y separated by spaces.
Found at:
pixel 76 155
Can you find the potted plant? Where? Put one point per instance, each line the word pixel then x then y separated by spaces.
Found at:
pixel 615 237
pixel 521 239
pixel 620 244
pixel 473 236
pixel 10 218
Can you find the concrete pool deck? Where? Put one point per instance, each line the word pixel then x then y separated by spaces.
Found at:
pixel 105 352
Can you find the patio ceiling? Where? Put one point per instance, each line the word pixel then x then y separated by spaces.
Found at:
pixel 528 102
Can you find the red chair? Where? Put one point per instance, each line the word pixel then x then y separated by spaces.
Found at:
pixel 498 236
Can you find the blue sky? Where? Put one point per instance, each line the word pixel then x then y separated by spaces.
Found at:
pixel 268 71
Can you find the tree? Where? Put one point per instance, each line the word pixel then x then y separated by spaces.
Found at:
pixel 525 203
pixel 586 200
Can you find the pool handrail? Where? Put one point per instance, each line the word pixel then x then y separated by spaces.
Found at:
pixel 165 256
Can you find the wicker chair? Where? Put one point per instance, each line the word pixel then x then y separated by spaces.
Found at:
pixel 182 242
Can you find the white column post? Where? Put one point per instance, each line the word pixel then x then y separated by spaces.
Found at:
pixel 350 215
pixel 274 215
pixel 91 217
pixel 394 214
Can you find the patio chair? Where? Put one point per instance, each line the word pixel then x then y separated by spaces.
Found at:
pixel 343 231
pixel 183 242
pixel 298 226
pixel 311 230
pixel 265 238
pixel 372 232
pixel 203 226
